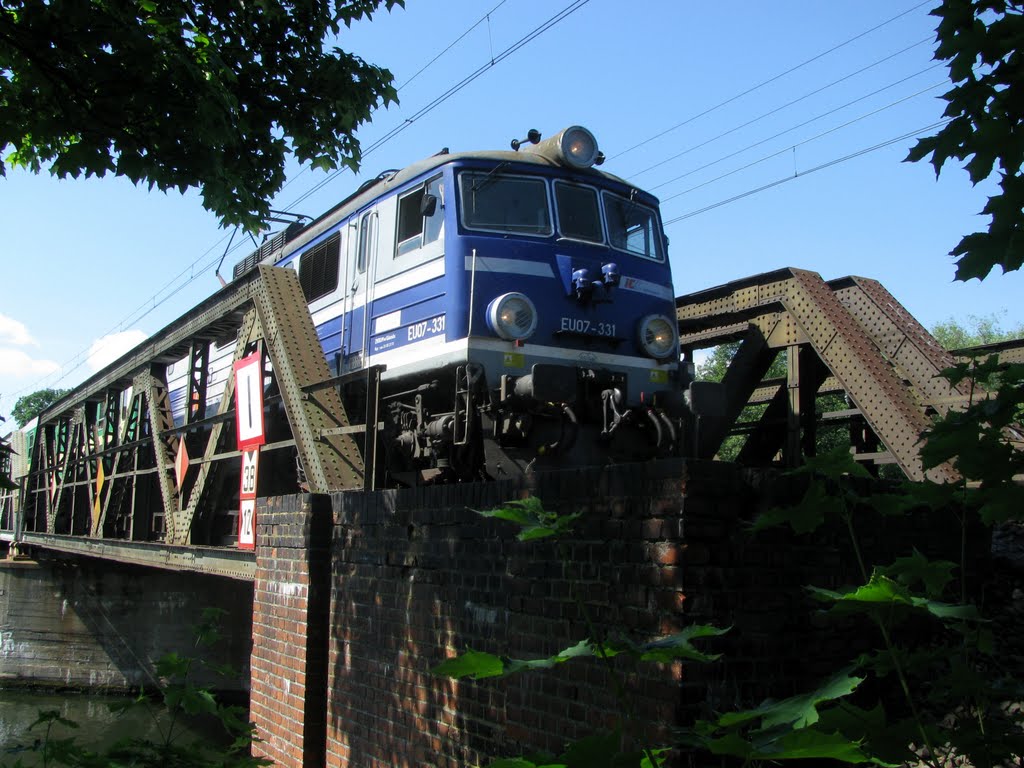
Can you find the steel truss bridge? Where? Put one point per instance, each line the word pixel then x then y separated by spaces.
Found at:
pixel 112 475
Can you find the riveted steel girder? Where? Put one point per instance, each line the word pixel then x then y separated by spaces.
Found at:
pixel 904 342
pixel 183 521
pixel 331 461
pixel 810 313
pixel 153 384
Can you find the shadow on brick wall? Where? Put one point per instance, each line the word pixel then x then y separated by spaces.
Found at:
pixel 417 576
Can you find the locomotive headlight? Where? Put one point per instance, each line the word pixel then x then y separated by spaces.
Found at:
pixel 574 146
pixel 578 147
pixel 657 336
pixel 512 316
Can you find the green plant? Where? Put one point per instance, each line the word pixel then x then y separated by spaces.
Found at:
pixel 933 688
pixel 177 697
pixel 980 41
pixel 186 93
pixel 616 748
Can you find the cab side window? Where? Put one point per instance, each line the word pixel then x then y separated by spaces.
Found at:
pixel 420 217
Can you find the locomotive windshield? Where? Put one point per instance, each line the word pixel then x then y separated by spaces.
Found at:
pixel 505 203
pixel 632 227
pixel 579 216
pixel 520 205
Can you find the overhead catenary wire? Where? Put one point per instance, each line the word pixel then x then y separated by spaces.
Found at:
pixel 747 148
pixel 439 100
pixel 795 101
pixel 486 17
pixel 801 174
pixel 770 80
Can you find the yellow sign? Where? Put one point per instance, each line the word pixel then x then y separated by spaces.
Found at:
pixel 659 376
pixel 514 360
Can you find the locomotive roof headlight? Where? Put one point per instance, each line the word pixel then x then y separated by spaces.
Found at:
pixel 512 316
pixel 574 146
pixel 657 336
pixel 578 146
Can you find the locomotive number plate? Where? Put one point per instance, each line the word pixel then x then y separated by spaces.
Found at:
pixel 587 327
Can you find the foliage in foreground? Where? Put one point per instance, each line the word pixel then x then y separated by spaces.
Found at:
pixel 185 93
pixel 928 686
pixel 621 747
pixel 980 40
pixel 178 697
pixel 934 688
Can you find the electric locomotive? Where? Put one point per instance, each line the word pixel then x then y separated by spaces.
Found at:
pixel 519 301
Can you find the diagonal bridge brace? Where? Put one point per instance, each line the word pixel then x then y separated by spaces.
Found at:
pixel 792 307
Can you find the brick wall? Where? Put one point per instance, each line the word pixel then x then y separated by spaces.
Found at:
pixel 418 577
pixel 414 576
pixel 289 629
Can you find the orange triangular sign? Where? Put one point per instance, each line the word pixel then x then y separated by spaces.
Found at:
pixel 97 502
pixel 181 462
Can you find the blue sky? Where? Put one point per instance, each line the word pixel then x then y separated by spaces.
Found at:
pixel 696 105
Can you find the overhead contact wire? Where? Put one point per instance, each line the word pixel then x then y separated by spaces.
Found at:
pixel 431 106
pixel 801 174
pixel 788 104
pixel 799 143
pixel 770 80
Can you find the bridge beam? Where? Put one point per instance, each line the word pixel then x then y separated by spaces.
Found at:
pixel 853 351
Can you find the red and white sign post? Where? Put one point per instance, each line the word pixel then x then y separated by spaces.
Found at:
pixel 249 420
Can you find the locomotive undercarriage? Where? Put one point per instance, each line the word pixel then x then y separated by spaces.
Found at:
pixel 455 428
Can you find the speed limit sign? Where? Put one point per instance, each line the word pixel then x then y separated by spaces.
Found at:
pixel 247 524
pixel 250 472
pixel 247 499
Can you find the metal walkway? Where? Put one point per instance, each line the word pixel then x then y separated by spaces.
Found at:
pixel 849 335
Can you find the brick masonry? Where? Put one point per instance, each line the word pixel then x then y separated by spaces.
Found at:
pixel 359 595
pixel 291 602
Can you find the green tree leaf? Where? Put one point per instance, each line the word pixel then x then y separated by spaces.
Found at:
pixel 934 576
pixel 797 711
pixel 530 515
pixel 835 464
pixel 595 751
pixel 980 41
pixel 882 591
pixel 475 664
pixel 812 744
pixel 186 93
pixel 172 665
pixel 679 645
pixel 804 517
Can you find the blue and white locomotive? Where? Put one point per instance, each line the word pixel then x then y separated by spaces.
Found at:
pixel 520 301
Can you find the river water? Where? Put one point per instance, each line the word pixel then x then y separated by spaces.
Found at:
pixel 98 726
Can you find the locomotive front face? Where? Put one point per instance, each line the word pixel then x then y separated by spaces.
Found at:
pixel 570 309
pixel 569 271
